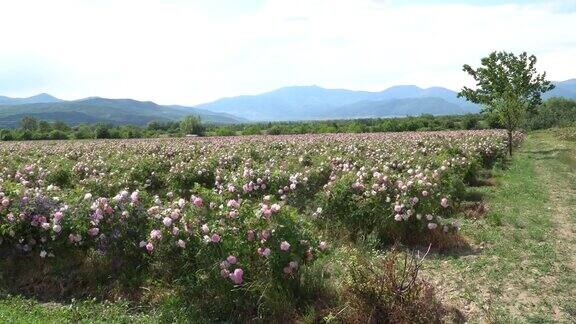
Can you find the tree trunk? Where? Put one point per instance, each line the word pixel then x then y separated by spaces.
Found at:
pixel 510 142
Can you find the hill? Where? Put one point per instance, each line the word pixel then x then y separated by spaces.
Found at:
pixel 313 102
pixel 565 89
pixel 398 108
pixel 95 109
pixel 40 98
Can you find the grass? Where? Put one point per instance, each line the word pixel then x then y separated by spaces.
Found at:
pixel 15 309
pixel 519 266
pixel 521 262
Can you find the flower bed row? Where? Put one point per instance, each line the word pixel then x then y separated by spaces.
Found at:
pixel 231 218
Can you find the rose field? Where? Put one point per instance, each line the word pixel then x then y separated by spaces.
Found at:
pixel 239 228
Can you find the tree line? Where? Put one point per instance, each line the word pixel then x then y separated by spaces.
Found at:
pixel 554 112
pixel 34 129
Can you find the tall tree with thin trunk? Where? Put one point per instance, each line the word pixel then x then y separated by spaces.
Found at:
pixel 507 85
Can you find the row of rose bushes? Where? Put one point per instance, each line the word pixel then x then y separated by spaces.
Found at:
pixel 233 221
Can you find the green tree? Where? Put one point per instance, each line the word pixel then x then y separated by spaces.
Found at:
pixel 102 130
pixel 503 79
pixel 510 111
pixel 470 121
pixel 6 135
pixel 251 130
pixel 83 132
pixel 28 123
pixel 58 135
pixel 44 126
pixel 224 131
pixel 61 126
pixel 191 125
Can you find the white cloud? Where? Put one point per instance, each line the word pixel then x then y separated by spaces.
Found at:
pixel 189 52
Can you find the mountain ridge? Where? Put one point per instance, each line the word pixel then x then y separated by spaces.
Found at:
pixel 114 111
pixel 313 102
pixel 284 104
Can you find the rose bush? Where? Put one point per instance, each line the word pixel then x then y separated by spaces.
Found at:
pixel 232 220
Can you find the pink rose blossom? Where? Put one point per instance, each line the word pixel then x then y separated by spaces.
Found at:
pixel 135 196
pixel 155 234
pixel 233 203
pixel 265 234
pixel 444 202
pixel 264 251
pixel 224 273
pixel 205 229
pixel 236 276
pixel 5 202
pixel 167 221
pixel 231 259
pixel 293 265
pixel 198 202
pixel 57 216
pixel 266 212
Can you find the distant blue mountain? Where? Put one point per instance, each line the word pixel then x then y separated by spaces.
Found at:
pixel 565 89
pixel 313 102
pixel 96 109
pixel 402 107
pixel 40 98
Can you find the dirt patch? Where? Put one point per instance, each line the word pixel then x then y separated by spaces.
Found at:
pixel 473 209
pixel 565 227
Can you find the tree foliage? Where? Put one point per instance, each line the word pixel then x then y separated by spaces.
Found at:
pixel 554 112
pixel 507 86
pixel 29 123
pixel 191 125
pixel 504 74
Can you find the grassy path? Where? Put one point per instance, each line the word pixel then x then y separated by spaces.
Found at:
pixel 20 310
pixel 521 264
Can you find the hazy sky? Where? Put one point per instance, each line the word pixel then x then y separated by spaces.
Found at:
pixel 189 52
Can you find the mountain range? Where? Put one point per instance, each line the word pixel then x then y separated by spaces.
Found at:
pixel 314 102
pixel 284 104
pixel 96 109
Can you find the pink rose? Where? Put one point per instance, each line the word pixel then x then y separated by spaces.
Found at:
pixel 93 231
pixel 231 259
pixel 198 202
pixel 236 276
pixel 444 202
pixel 284 246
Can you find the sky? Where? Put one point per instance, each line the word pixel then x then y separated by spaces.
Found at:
pixel 191 52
